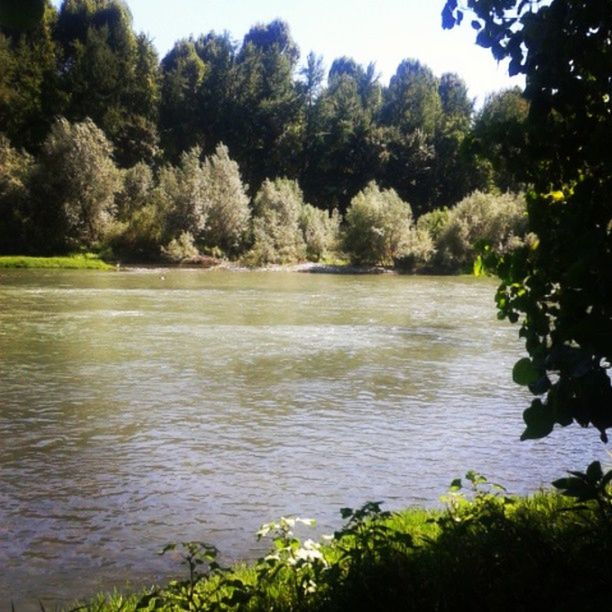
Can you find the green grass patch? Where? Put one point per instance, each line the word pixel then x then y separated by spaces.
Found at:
pixel 486 551
pixel 80 261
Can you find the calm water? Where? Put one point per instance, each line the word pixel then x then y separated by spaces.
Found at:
pixel 137 409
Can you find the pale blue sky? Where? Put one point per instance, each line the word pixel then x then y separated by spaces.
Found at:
pixel 383 31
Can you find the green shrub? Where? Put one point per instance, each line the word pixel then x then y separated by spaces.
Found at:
pixel 181 195
pixel 433 222
pixel 140 237
pixel 277 237
pixel 78 181
pixel 136 188
pixel 181 248
pixel 227 203
pixel 418 250
pixel 378 225
pixel 320 231
pixel 481 219
pixel 486 550
pixel 15 175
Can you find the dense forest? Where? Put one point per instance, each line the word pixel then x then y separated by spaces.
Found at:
pixel 218 148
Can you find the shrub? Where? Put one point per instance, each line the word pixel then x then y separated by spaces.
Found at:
pixel 15 175
pixel 433 222
pixel 277 237
pixel 480 219
pixel 320 231
pixel 181 194
pixel 378 225
pixel 135 193
pixel 181 248
pixel 79 180
pixel 418 250
pixel 227 203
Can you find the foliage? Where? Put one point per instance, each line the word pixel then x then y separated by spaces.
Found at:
pixel 21 14
pixel 480 220
pixel 559 286
pixel 135 192
pixel 487 547
pixel 77 183
pixel 79 261
pixel 182 77
pixel 109 75
pixel 30 96
pixel 142 233
pixel 378 225
pixel 277 237
pixel 84 60
pixel 227 203
pixel 592 485
pixel 15 175
pixel 321 231
pixel 181 248
pixel 266 102
pixel 499 136
pixel 418 251
pixel 182 195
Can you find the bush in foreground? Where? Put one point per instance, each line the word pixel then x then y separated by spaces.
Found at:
pixel 487 551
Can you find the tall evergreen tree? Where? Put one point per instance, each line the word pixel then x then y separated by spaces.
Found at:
pixel 180 122
pixel 454 172
pixel 29 89
pixel 109 74
pixel 348 147
pixel 266 135
pixel 412 110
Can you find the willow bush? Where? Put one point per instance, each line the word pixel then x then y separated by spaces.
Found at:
pixel 378 226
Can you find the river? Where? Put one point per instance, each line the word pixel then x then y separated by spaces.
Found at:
pixel 141 407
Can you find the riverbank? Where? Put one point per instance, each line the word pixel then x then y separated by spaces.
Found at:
pixel 486 551
pixel 80 261
pixel 91 261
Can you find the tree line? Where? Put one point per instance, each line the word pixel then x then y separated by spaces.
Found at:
pixel 103 143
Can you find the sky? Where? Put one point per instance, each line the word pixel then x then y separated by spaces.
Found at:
pixel 384 32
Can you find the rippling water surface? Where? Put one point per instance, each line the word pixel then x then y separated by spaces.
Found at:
pixel 142 407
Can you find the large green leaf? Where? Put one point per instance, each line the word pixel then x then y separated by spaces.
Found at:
pixel 539 421
pixel 524 372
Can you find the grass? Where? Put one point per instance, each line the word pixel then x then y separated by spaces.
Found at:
pixel 486 551
pixel 79 261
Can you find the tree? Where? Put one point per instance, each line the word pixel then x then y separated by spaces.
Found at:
pixel 77 184
pixel 453 174
pixel 30 97
pixel 21 14
pixel 378 225
pixel 412 100
pixel 266 126
pixel 109 74
pixel 321 231
pixel 135 193
pixel 499 137
pixel 347 147
pixel 183 72
pixel 560 288
pixel 412 109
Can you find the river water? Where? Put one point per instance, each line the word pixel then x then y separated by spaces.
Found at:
pixel 143 407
